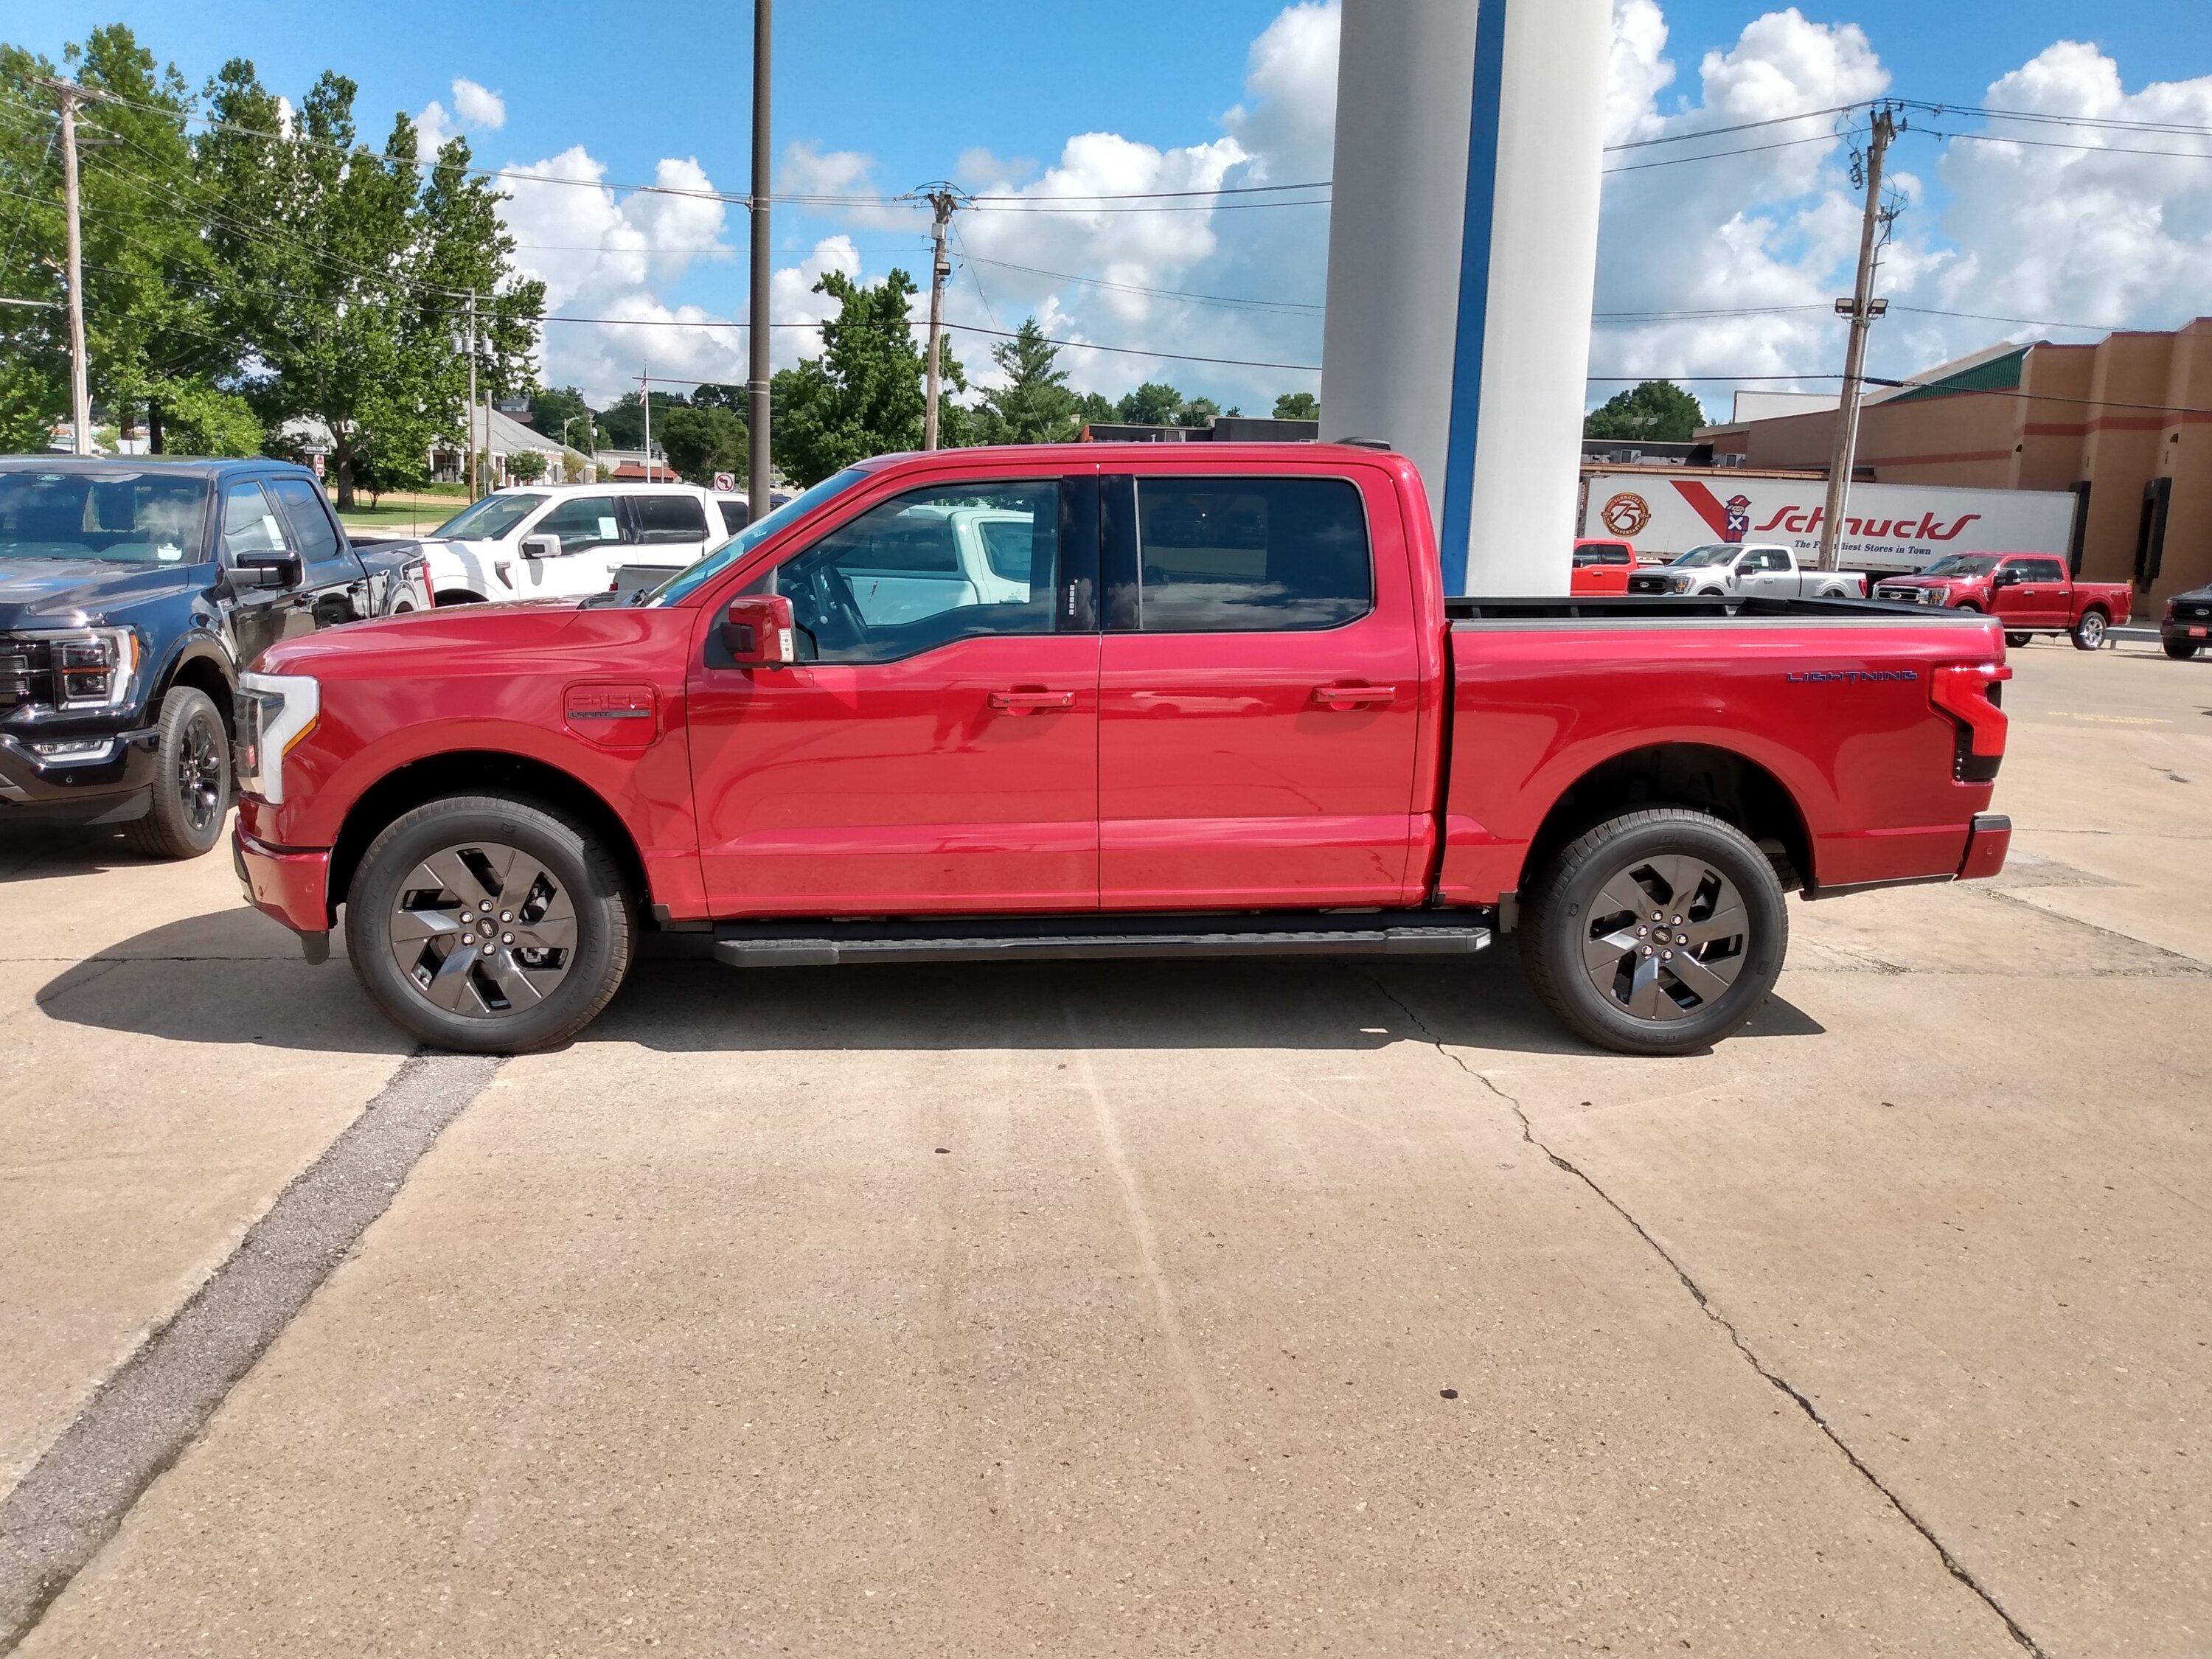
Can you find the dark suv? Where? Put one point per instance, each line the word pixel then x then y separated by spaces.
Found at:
pixel 133 591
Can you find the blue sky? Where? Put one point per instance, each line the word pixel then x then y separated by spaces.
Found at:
pixel 912 87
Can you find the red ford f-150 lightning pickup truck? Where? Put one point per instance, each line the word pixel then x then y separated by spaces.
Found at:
pixel 2029 594
pixel 1213 704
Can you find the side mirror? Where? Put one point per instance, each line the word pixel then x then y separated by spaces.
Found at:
pixel 756 629
pixel 269 569
pixel 541 547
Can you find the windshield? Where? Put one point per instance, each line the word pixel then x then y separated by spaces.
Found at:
pixel 489 519
pixel 688 581
pixel 1960 564
pixel 1711 553
pixel 124 517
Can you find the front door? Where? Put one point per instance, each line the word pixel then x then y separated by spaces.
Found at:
pixel 2030 593
pixel 1259 697
pixel 336 586
pixel 589 529
pixel 259 615
pixel 936 748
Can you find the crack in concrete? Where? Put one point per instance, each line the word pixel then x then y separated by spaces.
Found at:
pixel 155 1406
pixel 1952 1564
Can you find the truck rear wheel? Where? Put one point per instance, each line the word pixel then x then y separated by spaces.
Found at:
pixel 488 926
pixel 2089 632
pixel 2017 641
pixel 192 783
pixel 1658 932
pixel 2180 650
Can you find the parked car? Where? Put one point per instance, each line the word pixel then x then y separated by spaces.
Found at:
pixel 1601 566
pixel 564 541
pixel 1225 709
pixel 1747 569
pixel 132 593
pixel 2187 627
pixel 2030 593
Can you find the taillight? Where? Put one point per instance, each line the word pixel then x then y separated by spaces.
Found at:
pixel 1969 694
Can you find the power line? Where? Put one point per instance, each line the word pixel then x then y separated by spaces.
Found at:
pixel 1723 154
pixel 1139 287
pixel 964 328
pixel 2053 143
pixel 1740 126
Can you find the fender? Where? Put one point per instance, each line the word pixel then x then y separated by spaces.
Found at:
pixel 195 646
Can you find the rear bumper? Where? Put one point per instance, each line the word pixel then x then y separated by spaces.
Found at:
pixel 1987 843
pixel 2198 634
pixel 292 888
pixel 109 788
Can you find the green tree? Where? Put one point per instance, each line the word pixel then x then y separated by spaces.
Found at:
pixel 1298 406
pixel 621 424
pixel 1150 404
pixel 549 408
pixel 701 442
pixel 1091 407
pixel 347 270
pixel 863 396
pixel 151 281
pixel 525 467
pixel 1035 405
pixel 1658 410
pixel 200 419
pixel 1198 411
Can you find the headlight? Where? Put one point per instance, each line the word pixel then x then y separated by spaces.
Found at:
pixel 92 667
pixel 275 711
pixel 1678 584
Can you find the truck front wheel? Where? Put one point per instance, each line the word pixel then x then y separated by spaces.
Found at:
pixel 1658 932
pixel 488 926
pixel 191 782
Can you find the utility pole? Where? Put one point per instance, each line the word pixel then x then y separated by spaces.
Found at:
pixel 1862 308
pixel 645 403
pixel 471 445
pixel 940 199
pixel 756 331
pixel 68 95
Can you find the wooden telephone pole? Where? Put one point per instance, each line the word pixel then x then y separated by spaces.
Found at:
pixel 1862 308
pixel 941 198
pixel 68 94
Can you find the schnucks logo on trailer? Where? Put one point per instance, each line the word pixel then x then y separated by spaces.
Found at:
pixel 1731 520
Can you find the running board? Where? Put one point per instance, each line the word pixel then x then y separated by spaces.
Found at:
pixel 1064 938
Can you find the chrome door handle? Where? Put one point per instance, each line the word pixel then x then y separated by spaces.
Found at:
pixel 1354 696
pixel 1027 702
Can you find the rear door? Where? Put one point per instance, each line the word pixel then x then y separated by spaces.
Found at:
pixel 1258 693
pixel 934 749
pixel 670 527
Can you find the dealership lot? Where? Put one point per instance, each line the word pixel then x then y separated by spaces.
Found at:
pixel 1221 1308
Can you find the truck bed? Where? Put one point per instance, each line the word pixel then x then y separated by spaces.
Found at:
pixel 1657 608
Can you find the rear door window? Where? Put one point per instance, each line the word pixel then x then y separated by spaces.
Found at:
pixel 1246 556
pixel 2042 570
pixel 670 517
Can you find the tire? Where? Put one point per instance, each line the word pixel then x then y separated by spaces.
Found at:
pixel 398 906
pixel 2089 632
pixel 191 784
pixel 2180 650
pixel 450 597
pixel 1566 959
pixel 2018 641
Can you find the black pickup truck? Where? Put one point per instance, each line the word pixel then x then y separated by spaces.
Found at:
pixel 133 592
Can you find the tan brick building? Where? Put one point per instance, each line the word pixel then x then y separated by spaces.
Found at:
pixel 2126 424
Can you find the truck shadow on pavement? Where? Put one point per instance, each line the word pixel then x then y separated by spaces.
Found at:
pixel 32 853
pixel 264 993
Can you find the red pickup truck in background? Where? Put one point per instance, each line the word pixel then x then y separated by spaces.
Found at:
pixel 1602 566
pixel 1204 704
pixel 2029 594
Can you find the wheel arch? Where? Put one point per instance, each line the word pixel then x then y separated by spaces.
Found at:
pixel 1700 777
pixel 480 772
pixel 203 665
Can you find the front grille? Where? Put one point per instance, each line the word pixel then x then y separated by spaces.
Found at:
pixel 1647 584
pixel 25 672
pixel 1901 595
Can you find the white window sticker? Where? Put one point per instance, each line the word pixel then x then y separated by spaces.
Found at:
pixel 169 553
pixel 607 531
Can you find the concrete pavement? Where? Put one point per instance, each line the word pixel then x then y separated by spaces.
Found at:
pixel 1273 1309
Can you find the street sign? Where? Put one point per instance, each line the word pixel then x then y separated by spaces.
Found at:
pixel 726 481
pixel 318 458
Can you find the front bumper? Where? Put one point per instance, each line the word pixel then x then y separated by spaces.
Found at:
pixel 291 887
pixel 1987 843
pixel 110 788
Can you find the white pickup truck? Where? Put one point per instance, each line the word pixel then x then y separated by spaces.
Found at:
pixel 1745 570
pixel 567 541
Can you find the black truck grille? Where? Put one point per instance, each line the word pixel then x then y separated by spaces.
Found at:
pixel 25 672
